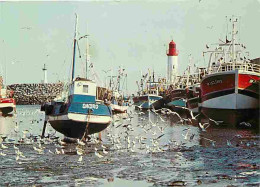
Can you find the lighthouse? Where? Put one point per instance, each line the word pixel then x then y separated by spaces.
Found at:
pixel 172 65
pixel 44 69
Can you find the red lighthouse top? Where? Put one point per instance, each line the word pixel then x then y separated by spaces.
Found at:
pixel 172 49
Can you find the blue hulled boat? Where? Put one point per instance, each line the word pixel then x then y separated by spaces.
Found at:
pixel 146 97
pixel 80 113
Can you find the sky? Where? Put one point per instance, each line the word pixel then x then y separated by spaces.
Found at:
pixel 131 34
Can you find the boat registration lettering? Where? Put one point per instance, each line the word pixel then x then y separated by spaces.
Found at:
pixel 214 82
pixel 91 106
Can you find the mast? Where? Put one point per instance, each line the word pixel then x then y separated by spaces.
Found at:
pixel 188 76
pixel 234 32
pixel 233 40
pixel 87 57
pixel 74 49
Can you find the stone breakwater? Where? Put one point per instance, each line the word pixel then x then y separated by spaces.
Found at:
pixel 35 94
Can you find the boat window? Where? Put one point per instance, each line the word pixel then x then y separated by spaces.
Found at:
pixel 85 88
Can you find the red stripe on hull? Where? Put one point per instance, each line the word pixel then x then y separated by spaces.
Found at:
pixel 248 82
pixel 217 83
pixel 7 100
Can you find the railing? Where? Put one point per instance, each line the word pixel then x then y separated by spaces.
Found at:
pixel 233 66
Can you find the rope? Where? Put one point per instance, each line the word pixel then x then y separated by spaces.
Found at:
pixel 86 129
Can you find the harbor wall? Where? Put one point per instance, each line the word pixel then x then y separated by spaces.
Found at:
pixel 35 94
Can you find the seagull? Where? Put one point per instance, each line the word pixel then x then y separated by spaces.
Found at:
pixel 2 154
pixel 203 127
pixel 80 142
pixel 216 122
pixel 17 157
pixel 98 155
pixel 80 159
pixel 79 151
pixel 105 152
pixel 19 153
pixel 186 135
pixel 57 151
pixel 40 151
pixel 3 146
pixel 245 124
pixel 229 143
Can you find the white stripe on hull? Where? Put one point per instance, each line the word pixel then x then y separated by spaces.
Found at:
pixel 82 118
pixel 4 105
pixel 232 101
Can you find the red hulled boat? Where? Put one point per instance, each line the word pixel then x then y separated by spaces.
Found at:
pixel 230 90
pixel 7 104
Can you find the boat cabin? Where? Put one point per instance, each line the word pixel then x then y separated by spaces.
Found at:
pixel 82 91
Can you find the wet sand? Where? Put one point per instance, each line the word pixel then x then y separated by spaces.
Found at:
pixel 145 150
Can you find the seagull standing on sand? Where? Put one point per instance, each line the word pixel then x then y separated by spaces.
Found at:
pixel 80 159
pixel 97 154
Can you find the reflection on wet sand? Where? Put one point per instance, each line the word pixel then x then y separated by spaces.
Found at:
pixel 140 146
pixel 7 125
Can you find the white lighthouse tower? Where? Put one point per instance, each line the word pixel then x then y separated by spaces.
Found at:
pixel 172 66
pixel 44 69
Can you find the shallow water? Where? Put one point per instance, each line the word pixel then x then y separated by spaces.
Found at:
pixel 147 149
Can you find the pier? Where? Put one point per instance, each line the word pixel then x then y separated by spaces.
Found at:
pixel 35 94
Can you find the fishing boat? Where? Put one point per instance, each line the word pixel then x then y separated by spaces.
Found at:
pixel 119 103
pixel 230 90
pixel 148 95
pixel 7 102
pixel 80 113
pixel 119 106
pixel 177 92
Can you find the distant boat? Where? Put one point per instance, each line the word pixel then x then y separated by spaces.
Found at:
pixel 82 113
pixel 193 91
pixel 7 103
pixel 176 94
pixel 119 107
pixel 118 102
pixel 146 97
pixel 230 90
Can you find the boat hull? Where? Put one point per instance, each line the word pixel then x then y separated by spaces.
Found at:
pixel 7 105
pixel 231 97
pixel 67 128
pixel 118 109
pixel 74 125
